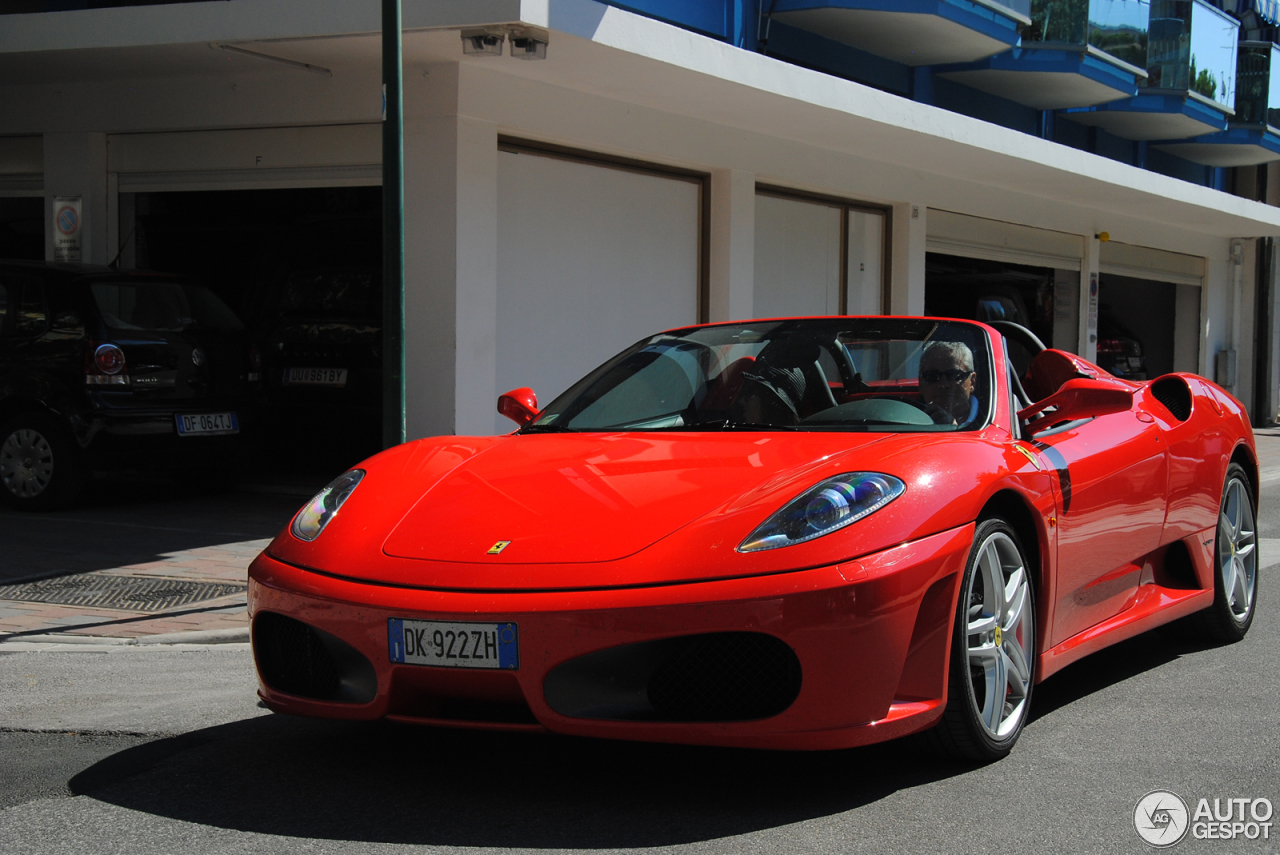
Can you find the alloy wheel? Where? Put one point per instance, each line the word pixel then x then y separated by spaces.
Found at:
pixel 1000 636
pixel 1237 549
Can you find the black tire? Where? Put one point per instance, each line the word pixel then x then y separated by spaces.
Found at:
pixel 1235 556
pixel 974 728
pixel 40 464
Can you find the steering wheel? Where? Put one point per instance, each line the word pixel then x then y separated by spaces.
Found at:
pixel 939 415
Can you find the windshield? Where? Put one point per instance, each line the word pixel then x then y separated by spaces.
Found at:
pixel 127 306
pixel 876 374
pixel 342 294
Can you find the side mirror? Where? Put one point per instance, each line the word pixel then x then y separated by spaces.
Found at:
pixel 1081 399
pixel 519 405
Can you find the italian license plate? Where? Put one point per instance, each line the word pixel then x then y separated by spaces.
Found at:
pixel 315 377
pixel 207 424
pixel 453 645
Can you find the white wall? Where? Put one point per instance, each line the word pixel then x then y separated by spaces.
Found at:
pixel 590 260
pixel 797 269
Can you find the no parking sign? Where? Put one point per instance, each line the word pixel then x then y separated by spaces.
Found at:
pixel 66 228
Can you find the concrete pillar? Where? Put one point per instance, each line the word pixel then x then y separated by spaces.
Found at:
pixel 1088 344
pixel 75 164
pixel 907 260
pixel 733 238
pixel 451 272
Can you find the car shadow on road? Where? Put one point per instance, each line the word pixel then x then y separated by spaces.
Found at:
pixel 1114 665
pixel 390 783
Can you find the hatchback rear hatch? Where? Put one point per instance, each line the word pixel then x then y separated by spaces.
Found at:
pixel 181 344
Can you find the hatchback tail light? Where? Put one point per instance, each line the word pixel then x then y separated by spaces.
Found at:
pixel 1110 345
pixel 105 365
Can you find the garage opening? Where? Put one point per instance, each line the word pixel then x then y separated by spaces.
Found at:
pixel 1147 328
pixel 303 269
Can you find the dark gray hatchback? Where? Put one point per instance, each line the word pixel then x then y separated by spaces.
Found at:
pixel 103 369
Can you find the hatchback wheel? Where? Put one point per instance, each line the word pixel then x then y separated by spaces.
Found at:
pixel 993 651
pixel 40 466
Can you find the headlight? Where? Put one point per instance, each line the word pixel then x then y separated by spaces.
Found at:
pixel 317 513
pixel 824 508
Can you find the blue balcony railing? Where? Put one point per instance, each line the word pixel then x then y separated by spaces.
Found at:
pixel 1258 84
pixel 1192 47
pixel 1116 27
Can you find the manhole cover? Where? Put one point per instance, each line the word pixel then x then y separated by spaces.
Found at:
pixel 130 593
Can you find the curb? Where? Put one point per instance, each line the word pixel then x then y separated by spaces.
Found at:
pixel 201 637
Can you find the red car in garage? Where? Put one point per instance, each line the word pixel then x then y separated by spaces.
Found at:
pixel 791 533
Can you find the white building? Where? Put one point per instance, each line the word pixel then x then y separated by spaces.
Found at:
pixel 643 175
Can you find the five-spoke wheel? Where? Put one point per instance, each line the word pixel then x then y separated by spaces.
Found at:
pixel 1235 562
pixel 993 650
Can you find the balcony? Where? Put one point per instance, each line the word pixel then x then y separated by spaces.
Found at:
pixel 1075 53
pixel 912 32
pixel 1191 77
pixel 1252 137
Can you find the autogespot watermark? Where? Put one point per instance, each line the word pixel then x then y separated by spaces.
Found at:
pixel 1162 818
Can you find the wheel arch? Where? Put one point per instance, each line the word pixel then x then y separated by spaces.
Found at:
pixel 1244 456
pixel 1012 507
pixel 17 404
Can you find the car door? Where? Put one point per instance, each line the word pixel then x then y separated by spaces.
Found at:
pixel 23 319
pixel 1112 481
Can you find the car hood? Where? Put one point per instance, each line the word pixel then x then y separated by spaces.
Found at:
pixel 568 499
pixel 594 511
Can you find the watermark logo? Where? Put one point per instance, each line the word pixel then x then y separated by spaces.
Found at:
pixel 1161 818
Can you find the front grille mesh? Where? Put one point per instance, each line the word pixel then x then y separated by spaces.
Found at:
pixel 293 659
pixel 727 676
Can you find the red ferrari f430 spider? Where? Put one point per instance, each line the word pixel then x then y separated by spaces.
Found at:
pixel 796 533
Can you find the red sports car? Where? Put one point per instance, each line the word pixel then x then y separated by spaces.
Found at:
pixel 796 533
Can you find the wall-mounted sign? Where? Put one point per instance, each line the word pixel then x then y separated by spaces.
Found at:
pixel 66 228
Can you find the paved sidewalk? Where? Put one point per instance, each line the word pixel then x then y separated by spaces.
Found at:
pixel 141 530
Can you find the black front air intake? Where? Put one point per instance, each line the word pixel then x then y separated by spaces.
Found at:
pixel 298 659
pixel 722 676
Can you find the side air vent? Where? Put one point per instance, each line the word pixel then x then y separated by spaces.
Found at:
pixel 1172 391
pixel 298 659
pixel 722 676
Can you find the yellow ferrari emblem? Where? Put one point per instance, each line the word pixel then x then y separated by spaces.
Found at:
pixel 999 636
pixel 499 546
pixel 1027 454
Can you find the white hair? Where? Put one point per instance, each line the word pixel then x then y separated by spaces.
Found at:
pixel 956 351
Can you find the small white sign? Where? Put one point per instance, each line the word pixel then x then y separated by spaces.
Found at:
pixel 66 228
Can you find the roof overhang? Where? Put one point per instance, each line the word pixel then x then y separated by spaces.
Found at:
pixel 1049 78
pixel 605 52
pixel 1236 146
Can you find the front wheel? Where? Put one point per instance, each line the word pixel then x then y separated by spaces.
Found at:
pixel 40 466
pixel 993 650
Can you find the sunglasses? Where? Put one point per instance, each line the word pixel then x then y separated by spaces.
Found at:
pixel 955 375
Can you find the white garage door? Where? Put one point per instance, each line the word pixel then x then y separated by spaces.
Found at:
pixel 591 258
pixel 816 258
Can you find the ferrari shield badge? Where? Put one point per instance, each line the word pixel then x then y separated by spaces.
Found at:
pixel 498 547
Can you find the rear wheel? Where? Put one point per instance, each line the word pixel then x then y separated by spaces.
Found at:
pixel 1235 578
pixel 993 649
pixel 40 467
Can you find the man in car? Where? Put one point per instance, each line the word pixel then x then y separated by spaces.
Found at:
pixel 946 381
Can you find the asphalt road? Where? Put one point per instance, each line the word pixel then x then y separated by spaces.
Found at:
pixel 156 751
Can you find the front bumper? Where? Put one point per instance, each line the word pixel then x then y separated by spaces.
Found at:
pixel 871 636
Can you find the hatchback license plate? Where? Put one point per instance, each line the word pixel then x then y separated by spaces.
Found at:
pixel 453 645
pixel 315 377
pixel 207 424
